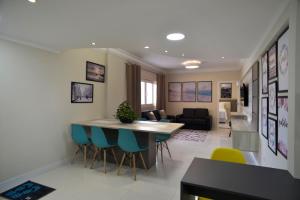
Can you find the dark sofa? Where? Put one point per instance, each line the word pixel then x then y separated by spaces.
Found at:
pixel 195 118
pixel 144 115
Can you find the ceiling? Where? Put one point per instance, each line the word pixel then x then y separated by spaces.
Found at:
pixel 213 28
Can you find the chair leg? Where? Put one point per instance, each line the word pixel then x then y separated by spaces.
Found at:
pixel 76 152
pixel 134 169
pixel 104 159
pixel 114 155
pixel 94 157
pixel 161 152
pixel 123 158
pixel 143 161
pixel 84 154
pixel 167 147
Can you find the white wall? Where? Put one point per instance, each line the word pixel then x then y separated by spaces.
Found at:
pixel 289 16
pixel 35 111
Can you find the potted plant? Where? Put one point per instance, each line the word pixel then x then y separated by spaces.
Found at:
pixel 125 113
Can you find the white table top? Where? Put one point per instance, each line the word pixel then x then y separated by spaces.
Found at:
pixel 144 126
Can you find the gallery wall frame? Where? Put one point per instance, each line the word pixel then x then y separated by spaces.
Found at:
pixel 283 69
pixel 226 90
pixel 82 92
pixel 282 125
pixel 95 72
pixel 264 116
pixel 265 73
pixel 188 91
pixel 272 62
pixel 272 135
pixel 204 91
pixel 174 91
pixel 273 98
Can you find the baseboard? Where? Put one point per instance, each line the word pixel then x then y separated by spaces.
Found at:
pixel 11 182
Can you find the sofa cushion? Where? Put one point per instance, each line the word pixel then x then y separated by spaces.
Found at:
pixel 201 112
pixel 151 116
pixel 188 113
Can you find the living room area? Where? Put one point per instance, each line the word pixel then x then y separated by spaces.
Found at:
pixel 162 100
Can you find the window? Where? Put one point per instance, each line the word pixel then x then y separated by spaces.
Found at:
pixel 148 93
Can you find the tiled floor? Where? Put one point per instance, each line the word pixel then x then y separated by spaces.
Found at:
pixel 159 183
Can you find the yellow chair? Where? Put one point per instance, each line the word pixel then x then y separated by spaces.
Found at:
pixel 227 155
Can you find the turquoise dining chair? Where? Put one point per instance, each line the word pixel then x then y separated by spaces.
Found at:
pixel 81 139
pixel 161 142
pixel 128 143
pixel 100 142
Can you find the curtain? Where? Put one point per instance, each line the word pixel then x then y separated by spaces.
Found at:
pixel 133 81
pixel 161 96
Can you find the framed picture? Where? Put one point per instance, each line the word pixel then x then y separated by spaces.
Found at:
pixel 264 64
pixel 272 139
pixel 283 125
pixel 82 92
pixel 204 91
pixel 264 117
pixel 95 72
pixel 272 62
pixel 273 98
pixel 226 90
pixel 283 67
pixel 189 91
pixel 174 92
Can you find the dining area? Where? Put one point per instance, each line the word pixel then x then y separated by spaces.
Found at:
pixel 136 144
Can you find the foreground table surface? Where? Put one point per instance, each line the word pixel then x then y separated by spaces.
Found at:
pixel 223 180
pixel 144 126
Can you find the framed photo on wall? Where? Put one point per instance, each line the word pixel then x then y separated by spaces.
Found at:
pixel 174 92
pixel 226 90
pixel 272 62
pixel 95 72
pixel 283 125
pixel 273 98
pixel 188 92
pixel 283 66
pixel 82 92
pixel 204 91
pixel 264 117
pixel 264 64
pixel 272 139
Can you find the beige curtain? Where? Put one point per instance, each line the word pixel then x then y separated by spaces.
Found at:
pixel 133 80
pixel 161 96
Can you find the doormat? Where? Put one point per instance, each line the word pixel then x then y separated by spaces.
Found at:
pixel 27 191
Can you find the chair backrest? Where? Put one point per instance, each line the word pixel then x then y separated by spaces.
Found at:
pixel 79 135
pixel 127 140
pixel 228 155
pixel 98 137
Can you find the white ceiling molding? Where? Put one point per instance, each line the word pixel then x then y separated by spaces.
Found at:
pixel 133 58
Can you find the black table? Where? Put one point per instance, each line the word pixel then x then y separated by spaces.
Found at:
pixel 231 181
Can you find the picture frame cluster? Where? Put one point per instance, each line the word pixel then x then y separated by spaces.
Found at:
pixel 274 103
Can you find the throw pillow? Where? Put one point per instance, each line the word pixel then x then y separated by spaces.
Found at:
pixel 151 116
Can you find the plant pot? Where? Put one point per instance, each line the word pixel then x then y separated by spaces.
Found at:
pixel 126 121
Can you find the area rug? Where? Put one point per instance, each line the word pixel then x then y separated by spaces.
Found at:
pixel 190 135
pixel 27 191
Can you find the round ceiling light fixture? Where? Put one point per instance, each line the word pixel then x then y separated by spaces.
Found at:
pixel 175 36
pixel 93 43
pixel 32 1
pixel 146 47
pixel 166 51
pixel 192 66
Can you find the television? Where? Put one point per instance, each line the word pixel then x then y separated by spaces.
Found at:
pixel 244 93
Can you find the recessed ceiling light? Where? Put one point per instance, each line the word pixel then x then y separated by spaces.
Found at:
pixel 192 62
pixel 182 55
pixel 146 47
pixel 93 43
pixel 166 51
pixel 32 1
pixel 175 36
pixel 192 66
pixel 222 57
